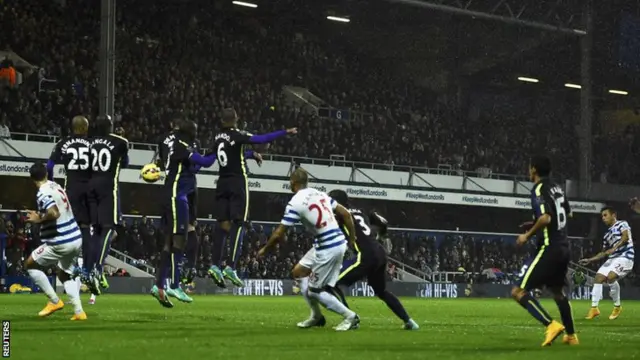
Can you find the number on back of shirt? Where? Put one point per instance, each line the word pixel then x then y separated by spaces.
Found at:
pixel 79 158
pixel 561 213
pixel 363 224
pixel 222 155
pixel 322 209
pixel 101 159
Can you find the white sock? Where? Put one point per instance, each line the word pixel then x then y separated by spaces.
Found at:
pixel 93 297
pixel 614 292
pixel 43 283
pixel 316 313
pixel 332 303
pixel 596 295
pixel 71 287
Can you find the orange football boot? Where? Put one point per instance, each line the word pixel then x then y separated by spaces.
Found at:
pixel 51 308
pixel 570 340
pixel 79 317
pixel 593 313
pixel 615 313
pixel 552 332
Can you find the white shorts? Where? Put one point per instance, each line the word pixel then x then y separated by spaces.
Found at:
pixel 64 256
pixel 621 266
pixel 325 265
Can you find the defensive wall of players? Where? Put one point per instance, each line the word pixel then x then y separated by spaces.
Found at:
pixel 16 156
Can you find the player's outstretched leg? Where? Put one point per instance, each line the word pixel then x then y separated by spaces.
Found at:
pixel 531 304
pixel 236 235
pixel 316 318
pixel 73 292
pixel 40 279
pixel 566 314
pixel 328 300
pixel 396 306
pixel 219 242
pixel 614 292
pixel 596 296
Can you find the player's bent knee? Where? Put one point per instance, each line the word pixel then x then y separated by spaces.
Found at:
pixel 517 293
pixel 300 271
pixel 30 263
pixel 599 279
pixel 315 290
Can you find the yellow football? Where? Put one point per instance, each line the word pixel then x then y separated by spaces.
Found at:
pixel 150 173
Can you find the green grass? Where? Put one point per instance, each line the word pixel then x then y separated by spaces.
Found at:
pixel 125 327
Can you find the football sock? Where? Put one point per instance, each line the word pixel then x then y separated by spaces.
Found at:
pixel 316 313
pixel 332 303
pixel 219 242
pixel 176 266
pixel 596 295
pixel 536 310
pixel 71 288
pixel 236 235
pixel 395 305
pixel 191 252
pixel 614 292
pixel 566 313
pixel 337 291
pixel 163 269
pixel 43 283
pixel 87 252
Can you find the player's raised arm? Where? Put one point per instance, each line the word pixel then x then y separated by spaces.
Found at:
pixel 54 158
pixel 290 218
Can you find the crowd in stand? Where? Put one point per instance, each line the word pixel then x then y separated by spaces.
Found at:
pixel 486 258
pixel 195 60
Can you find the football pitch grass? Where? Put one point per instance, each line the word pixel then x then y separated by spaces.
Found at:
pixel 136 327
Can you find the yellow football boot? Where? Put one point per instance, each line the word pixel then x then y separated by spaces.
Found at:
pixel 570 340
pixel 51 308
pixel 615 313
pixel 593 313
pixel 552 332
pixel 79 317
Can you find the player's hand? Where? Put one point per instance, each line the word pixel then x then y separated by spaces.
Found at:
pixel 258 158
pixel 292 131
pixel 584 261
pixel 33 217
pixel 522 239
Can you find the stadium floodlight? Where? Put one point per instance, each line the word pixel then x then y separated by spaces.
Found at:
pixel 528 79
pixel 243 3
pixel 573 86
pixel 618 92
pixel 339 19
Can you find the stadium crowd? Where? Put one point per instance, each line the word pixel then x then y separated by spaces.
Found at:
pixel 185 58
pixel 485 258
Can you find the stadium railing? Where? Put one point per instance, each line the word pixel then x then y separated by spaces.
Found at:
pixel 132 261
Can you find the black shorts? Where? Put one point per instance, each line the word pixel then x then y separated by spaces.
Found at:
pixel 78 195
pixel 548 268
pixel 232 199
pixel 104 203
pixel 175 215
pixel 369 264
pixel 192 200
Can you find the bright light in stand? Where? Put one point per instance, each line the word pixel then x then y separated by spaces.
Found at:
pixel 573 86
pixel 618 92
pixel 339 19
pixel 528 79
pixel 247 4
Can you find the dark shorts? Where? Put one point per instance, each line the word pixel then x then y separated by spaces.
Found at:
pixel 232 199
pixel 78 195
pixel 175 216
pixel 370 264
pixel 104 203
pixel 192 200
pixel 548 268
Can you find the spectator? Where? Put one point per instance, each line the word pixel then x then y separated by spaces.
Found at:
pixel 4 129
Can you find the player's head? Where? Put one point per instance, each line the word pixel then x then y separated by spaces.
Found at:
pixel 80 125
pixel 104 125
pixel 188 130
pixel 299 180
pixel 38 173
pixel 609 215
pixel 229 117
pixel 539 167
pixel 340 196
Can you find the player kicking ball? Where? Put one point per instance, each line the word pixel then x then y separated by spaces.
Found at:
pixel 61 243
pixel 320 266
pixel 618 247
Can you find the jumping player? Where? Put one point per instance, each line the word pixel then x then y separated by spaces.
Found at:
pixel 179 183
pixel 618 247
pixel 73 152
pixel 61 243
pixel 232 192
pixel 315 210
pixel 549 266
pixel 109 154
pixel 369 263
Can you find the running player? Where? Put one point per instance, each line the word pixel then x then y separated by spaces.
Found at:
pixel 179 183
pixel 369 263
pixel 73 152
pixel 232 193
pixel 550 265
pixel 109 154
pixel 618 247
pixel 315 210
pixel 61 243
